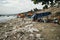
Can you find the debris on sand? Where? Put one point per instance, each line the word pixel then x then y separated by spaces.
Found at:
pixel 21 31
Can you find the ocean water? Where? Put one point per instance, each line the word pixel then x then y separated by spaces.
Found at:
pixel 6 18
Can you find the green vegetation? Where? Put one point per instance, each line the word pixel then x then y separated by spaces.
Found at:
pixel 46 2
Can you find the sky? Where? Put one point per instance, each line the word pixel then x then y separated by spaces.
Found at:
pixel 17 6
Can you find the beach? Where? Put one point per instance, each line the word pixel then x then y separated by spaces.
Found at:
pixel 16 29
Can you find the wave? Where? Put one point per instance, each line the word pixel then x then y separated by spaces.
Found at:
pixel 6 18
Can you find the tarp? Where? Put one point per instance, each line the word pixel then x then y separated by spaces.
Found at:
pixel 39 15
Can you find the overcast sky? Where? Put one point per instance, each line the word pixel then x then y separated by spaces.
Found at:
pixel 17 6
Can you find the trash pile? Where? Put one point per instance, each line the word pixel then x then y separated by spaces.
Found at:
pixel 26 32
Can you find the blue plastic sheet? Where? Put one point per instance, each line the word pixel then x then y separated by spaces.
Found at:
pixel 39 15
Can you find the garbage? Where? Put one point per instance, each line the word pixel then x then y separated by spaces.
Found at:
pixel 26 32
pixel 31 35
pixel 33 30
pixel 5 26
pixel 38 35
pixel 52 30
pixel 27 28
pixel 58 38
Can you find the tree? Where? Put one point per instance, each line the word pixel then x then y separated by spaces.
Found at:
pixel 46 2
pixel 58 2
pixel 45 7
pixel 35 9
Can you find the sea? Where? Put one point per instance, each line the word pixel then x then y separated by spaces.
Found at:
pixel 4 19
